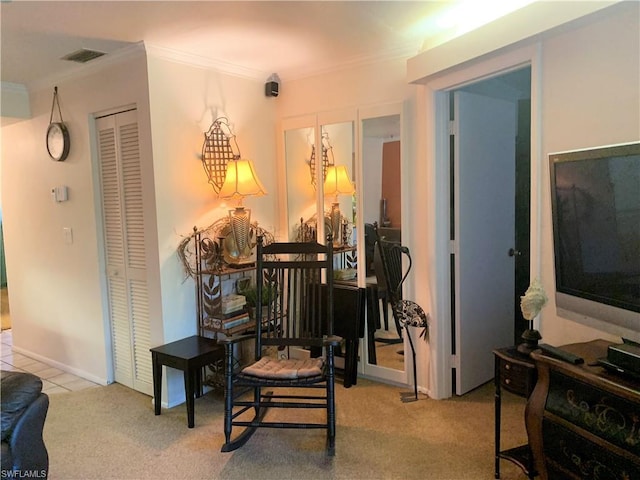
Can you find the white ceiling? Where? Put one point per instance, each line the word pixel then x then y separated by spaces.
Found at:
pixel 254 38
pixel 292 39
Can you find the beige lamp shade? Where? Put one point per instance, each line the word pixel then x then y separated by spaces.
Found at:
pixel 241 181
pixel 337 181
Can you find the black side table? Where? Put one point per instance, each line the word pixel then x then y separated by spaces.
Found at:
pixel 516 373
pixel 189 355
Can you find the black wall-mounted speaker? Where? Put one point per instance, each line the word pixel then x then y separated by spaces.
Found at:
pixel 271 89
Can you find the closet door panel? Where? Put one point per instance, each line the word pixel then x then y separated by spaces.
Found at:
pixel 124 249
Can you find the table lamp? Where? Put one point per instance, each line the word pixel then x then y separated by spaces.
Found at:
pixel 240 181
pixel 337 183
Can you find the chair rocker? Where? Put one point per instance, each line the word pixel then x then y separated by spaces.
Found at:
pixel 294 344
pixel 405 312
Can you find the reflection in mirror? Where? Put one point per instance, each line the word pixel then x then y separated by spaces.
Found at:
pixel 382 219
pixel 301 193
pixel 339 185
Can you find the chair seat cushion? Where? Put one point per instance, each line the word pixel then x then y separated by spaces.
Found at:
pixel 268 367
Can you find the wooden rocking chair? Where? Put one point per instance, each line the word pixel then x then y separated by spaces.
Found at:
pixel 296 327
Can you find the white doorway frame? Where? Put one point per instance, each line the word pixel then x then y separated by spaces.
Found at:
pixel 434 95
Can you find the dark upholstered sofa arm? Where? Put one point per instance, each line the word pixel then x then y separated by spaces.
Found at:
pixel 24 409
pixel 27 446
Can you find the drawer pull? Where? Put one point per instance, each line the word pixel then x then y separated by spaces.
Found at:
pixel 507 367
pixel 507 381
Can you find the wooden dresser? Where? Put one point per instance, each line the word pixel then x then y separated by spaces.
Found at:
pixel 583 421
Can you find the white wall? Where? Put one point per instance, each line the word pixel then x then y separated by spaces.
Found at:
pixel 359 86
pixel 55 288
pixel 585 92
pixel 590 97
pixel 184 102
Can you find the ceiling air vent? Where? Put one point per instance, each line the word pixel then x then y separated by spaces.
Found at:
pixel 83 55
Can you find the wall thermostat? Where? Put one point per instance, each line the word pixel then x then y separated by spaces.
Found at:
pixel 60 194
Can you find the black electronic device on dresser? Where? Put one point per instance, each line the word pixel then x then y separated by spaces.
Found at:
pixel 623 358
pixel 515 372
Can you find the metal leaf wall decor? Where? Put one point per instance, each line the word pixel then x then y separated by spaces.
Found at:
pixel 326 161
pixel 217 151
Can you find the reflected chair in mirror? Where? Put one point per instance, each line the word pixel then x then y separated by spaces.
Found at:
pixel 371 238
pixel 405 312
pixel 388 277
pixel 289 333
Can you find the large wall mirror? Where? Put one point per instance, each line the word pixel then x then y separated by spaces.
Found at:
pixel 317 147
pixel 320 181
pixel 301 191
pixel 381 153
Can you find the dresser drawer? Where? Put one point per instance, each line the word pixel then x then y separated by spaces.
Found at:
pixel 570 455
pixel 598 411
pixel 516 377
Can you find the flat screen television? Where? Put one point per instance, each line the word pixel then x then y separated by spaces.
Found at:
pixel 595 204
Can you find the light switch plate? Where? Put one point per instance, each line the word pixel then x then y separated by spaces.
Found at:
pixel 68 235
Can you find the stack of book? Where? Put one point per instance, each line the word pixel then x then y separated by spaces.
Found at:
pixel 227 322
pixel 233 313
pixel 233 303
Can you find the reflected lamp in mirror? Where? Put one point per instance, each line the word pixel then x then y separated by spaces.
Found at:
pixel 336 183
pixel 240 181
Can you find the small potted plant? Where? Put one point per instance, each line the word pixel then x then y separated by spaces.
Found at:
pixel 250 292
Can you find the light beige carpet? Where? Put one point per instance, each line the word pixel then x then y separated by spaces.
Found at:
pixel 111 433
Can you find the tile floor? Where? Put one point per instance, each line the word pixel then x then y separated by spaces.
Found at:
pixel 54 380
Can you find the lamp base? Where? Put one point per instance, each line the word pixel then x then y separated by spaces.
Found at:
pixel 336 224
pixel 530 343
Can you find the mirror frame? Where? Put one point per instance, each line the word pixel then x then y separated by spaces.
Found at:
pixel 364 114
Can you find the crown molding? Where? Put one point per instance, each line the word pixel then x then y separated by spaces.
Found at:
pixel 287 74
pixel 400 53
pixel 206 63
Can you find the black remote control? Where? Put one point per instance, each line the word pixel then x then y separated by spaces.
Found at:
pixel 560 354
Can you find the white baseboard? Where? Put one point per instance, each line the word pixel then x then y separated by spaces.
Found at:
pixel 61 366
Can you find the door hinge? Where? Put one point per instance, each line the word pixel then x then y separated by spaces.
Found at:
pixel 455 361
pixel 453 128
pixel 453 247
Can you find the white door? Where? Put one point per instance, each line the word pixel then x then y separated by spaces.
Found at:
pixel 119 158
pixel 484 209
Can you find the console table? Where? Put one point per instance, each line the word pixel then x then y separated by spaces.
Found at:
pixel 515 373
pixel 583 421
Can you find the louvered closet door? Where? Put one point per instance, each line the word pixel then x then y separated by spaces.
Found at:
pixel 125 251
